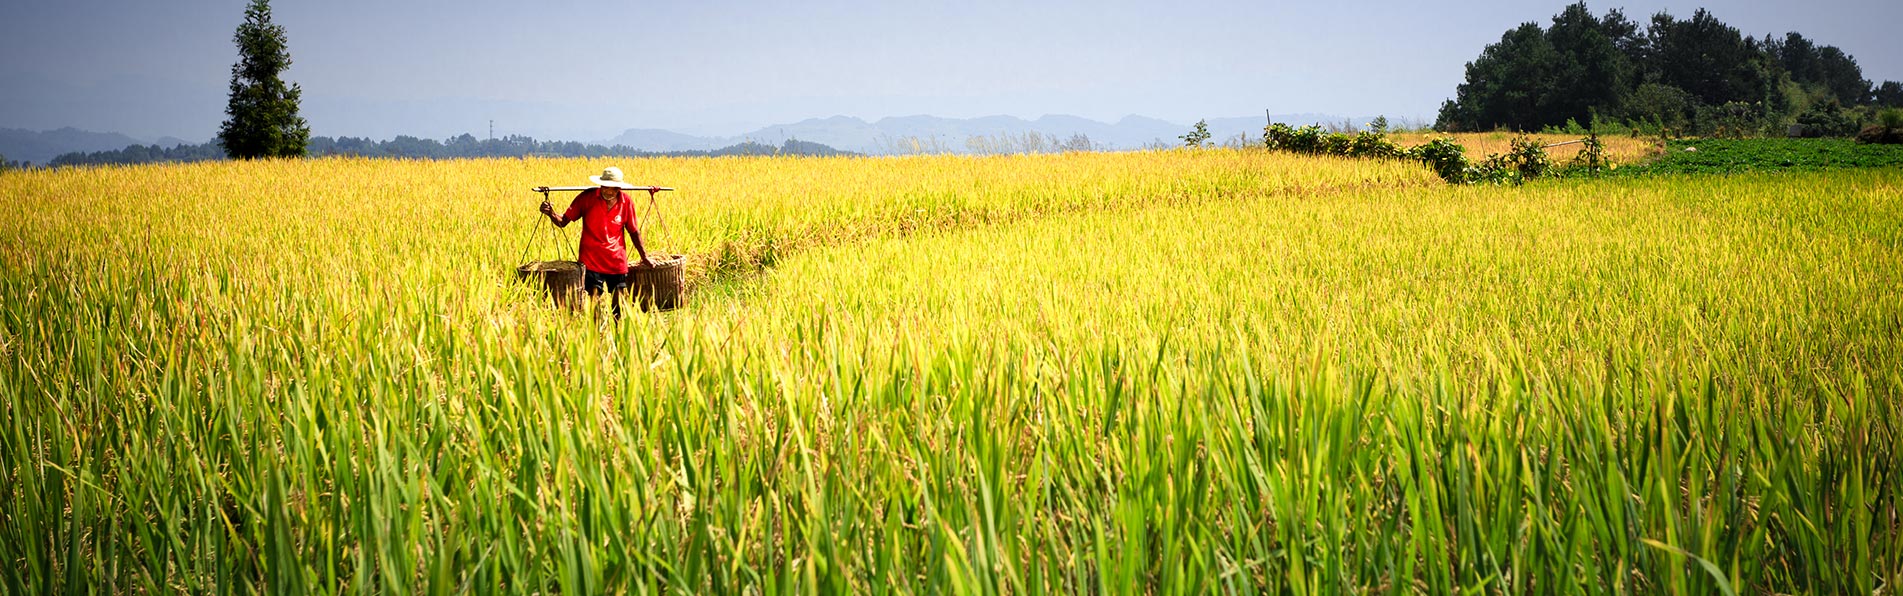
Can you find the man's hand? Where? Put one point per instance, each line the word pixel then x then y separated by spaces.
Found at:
pixel 548 210
pixel 645 263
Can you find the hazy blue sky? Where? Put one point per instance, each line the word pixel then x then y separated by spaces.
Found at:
pixel 587 70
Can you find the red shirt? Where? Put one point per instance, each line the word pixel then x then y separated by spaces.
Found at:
pixel 603 249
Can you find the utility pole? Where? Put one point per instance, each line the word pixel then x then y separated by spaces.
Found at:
pixel 492 129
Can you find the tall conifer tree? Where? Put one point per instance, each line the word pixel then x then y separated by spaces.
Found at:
pixel 262 112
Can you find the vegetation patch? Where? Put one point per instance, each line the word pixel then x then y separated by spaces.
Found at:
pixel 1525 158
pixel 1723 156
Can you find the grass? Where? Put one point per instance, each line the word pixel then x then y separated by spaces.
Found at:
pixel 1171 372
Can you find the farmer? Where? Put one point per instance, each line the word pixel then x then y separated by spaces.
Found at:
pixel 605 212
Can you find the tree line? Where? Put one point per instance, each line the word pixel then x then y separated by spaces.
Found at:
pixel 458 147
pixel 1676 76
pixel 263 121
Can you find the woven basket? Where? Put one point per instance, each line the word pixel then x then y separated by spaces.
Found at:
pixel 560 280
pixel 658 287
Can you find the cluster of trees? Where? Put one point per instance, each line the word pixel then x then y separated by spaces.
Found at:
pixel 1691 76
pixel 463 146
pixel 140 154
pixel 467 145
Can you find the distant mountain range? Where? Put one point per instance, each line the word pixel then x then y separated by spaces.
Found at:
pixel 40 147
pixel 846 133
pixel 882 136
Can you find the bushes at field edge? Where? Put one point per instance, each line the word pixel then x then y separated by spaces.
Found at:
pixel 1526 160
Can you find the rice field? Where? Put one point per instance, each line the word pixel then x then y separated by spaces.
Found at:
pixel 1159 372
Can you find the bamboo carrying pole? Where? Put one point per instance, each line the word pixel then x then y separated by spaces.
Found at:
pixel 548 189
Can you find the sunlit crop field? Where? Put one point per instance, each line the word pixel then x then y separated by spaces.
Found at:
pixel 1160 372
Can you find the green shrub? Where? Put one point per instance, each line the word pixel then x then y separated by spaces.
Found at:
pixel 1447 158
pixel 1198 137
pixel 1336 144
pixel 1495 169
pixel 1591 158
pixel 1374 145
pixel 1276 135
pixel 1528 158
pixel 1307 139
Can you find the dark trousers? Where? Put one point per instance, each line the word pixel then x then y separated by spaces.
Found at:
pixel 594 283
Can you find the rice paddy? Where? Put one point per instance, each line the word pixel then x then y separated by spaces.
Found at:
pixel 1157 372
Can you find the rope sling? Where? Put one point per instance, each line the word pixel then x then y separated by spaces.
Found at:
pixel 555 234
